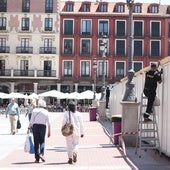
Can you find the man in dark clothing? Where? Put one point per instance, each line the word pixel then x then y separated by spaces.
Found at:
pixel 152 77
pixel 107 97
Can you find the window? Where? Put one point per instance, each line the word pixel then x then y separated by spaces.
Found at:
pixel 155 48
pixel 120 70
pixel 168 48
pixel 155 29
pixel 120 28
pixel 138 46
pixel 3 5
pixel 48 45
pixel 85 68
pixel 169 29
pixel 25 24
pixel 48 24
pixel 2 23
pixel 67 69
pixel 85 47
pixel 47 67
pixel 25 5
pixel 137 9
pixel 103 8
pixel 103 27
pixel 106 47
pixel 86 27
pixel 68 46
pixel 24 45
pixel 102 68
pixel 2 45
pixel 120 47
pixel 137 66
pixel 138 28
pixel 154 9
pixel 69 7
pixel 49 6
pixel 85 8
pixel 24 67
pixel 2 67
pixel 68 27
pixel 120 8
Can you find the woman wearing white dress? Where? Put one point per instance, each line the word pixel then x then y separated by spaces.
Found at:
pixel 72 141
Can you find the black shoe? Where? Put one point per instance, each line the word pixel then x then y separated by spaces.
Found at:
pixel 74 157
pixel 42 158
pixel 36 161
pixel 70 161
pixel 147 120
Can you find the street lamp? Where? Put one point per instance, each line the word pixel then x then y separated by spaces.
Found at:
pixel 130 91
pixel 103 47
pixel 94 71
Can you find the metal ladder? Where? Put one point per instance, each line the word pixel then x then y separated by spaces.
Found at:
pixel 147 137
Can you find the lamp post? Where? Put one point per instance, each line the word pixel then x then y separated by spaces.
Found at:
pixel 103 47
pixel 94 71
pixel 130 92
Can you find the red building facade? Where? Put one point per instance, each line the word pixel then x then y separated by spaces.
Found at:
pixel 82 25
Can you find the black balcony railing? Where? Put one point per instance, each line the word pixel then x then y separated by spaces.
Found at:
pixel 29 73
pixel 28 50
pixel 2 27
pixel 5 72
pixel 4 49
pixel 47 50
pixel 46 73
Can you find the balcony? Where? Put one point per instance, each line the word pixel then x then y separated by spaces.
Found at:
pixel 27 50
pixel 47 50
pixel 4 49
pixel 23 73
pixel 46 73
pixel 16 73
pixel 5 72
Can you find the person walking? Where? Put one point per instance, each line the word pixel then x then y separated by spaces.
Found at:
pixel 152 77
pixel 39 121
pixel 107 96
pixel 72 141
pixel 12 110
pixel 30 108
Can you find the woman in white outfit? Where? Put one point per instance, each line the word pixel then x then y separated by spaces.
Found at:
pixel 72 141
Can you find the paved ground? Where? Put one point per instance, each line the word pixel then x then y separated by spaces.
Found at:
pixel 95 152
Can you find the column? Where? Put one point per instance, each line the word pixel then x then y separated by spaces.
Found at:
pixel 129 122
pixel 58 86
pixel 76 87
pixel 35 87
pixel 12 86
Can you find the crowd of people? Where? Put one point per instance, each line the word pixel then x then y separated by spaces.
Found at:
pixel 39 125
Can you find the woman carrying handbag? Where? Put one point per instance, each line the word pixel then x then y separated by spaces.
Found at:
pixel 72 141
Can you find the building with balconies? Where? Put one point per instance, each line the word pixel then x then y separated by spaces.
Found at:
pixel 82 26
pixel 48 44
pixel 29 48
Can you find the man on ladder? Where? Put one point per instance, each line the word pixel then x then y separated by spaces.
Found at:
pixel 152 77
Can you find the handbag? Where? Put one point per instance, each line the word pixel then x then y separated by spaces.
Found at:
pixel 67 129
pixel 18 124
pixel 29 146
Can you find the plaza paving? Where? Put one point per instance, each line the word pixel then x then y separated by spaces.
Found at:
pixel 95 152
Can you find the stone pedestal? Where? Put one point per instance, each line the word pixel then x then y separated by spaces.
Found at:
pixel 129 122
pixel 102 110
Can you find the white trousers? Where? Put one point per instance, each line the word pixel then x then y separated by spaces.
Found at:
pixel 72 142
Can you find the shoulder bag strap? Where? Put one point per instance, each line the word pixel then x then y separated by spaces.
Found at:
pixel 69 117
